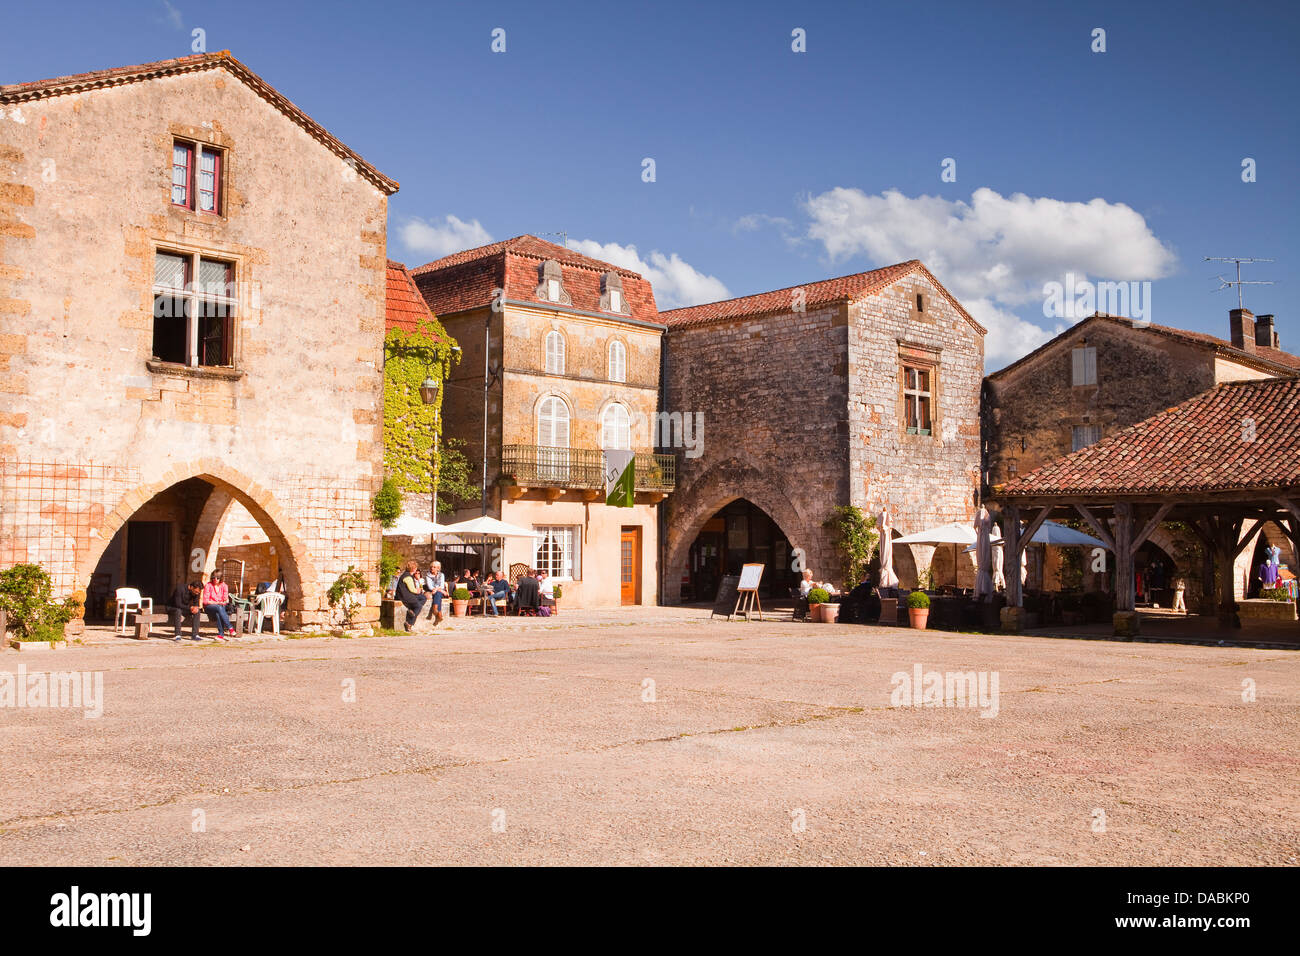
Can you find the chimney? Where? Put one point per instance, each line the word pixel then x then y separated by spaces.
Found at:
pixel 1241 322
pixel 1264 334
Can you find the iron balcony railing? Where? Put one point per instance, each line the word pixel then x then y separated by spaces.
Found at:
pixel 545 466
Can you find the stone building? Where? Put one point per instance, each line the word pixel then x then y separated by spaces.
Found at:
pixel 192 285
pixel 1103 375
pixel 568 347
pixel 860 390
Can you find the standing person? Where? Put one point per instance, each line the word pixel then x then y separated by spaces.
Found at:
pixel 187 602
pixel 435 583
pixel 215 598
pixel 409 592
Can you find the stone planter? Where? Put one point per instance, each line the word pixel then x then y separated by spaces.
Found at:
pixel 1127 624
pixel 29 646
pixel 828 613
pixel 1260 612
pixel 918 617
pixel 459 608
pixel 814 613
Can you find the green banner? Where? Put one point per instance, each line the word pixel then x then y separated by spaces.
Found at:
pixel 620 478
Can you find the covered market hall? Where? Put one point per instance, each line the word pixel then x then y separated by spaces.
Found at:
pixel 1226 464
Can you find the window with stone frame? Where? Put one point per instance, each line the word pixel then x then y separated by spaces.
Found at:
pixel 1081 436
pixel 617 361
pixel 555 352
pixel 1083 365
pixel 558 551
pixel 616 427
pixel 196 177
pixel 918 399
pixel 194 306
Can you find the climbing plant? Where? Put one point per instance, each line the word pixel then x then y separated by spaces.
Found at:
pixel 387 506
pixel 409 424
pixel 854 537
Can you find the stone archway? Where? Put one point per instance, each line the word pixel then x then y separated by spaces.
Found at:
pixel 692 507
pixel 301 578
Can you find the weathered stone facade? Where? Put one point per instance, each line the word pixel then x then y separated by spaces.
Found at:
pixel 94 426
pixel 803 411
pixel 1031 409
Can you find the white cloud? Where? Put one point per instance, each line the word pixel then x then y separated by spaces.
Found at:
pixel 994 253
pixel 173 15
pixel 442 239
pixel 676 282
pixel 757 220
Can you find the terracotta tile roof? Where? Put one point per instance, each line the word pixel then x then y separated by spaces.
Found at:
pixel 1266 359
pixel 816 294
pixel 118 76
pixel 1198 446
pixel 404 307
pixel 468 280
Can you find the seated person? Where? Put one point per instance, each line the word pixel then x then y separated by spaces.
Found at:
pixel 500 590
pixel 547 587
pixel 410 592
pixel 806 585
pixel 186 604
pixel 528 593
pixel 435 585
pixel 862 606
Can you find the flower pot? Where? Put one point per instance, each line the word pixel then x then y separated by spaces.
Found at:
pixel 459 608
pixel 829 613
pixel 918 616
pixel 814 613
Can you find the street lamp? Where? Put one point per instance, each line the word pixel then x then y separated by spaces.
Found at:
pixel 429 395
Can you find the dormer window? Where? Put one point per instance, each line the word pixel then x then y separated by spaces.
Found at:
pixel 611 294
pixel 550 286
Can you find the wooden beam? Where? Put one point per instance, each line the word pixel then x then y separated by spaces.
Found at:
pixel 1125 593
pixel 1033 526
pixel 1240 545
pixel 1102 532
pixel 1149 528
pixel 1290 506
pixel 1012 550
pixel 1206 534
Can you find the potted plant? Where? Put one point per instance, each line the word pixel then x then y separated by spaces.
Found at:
pixel 36 619
pixel 347 594
pixel 816 598
pixel 460 602
pixel 557 594
pixel 918 609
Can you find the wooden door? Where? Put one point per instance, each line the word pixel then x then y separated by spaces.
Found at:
pixel 630 565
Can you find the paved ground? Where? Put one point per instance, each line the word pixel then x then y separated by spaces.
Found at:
pixel 764 743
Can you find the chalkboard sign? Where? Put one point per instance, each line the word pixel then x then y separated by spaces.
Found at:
pixel 750 575
pixel 726 599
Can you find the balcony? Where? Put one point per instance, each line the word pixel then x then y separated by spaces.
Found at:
pixel 579 469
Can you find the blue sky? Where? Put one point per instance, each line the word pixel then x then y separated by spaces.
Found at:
pixel 774 168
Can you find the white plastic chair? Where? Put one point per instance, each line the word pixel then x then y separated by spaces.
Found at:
pixel 268 605
pixel 129 601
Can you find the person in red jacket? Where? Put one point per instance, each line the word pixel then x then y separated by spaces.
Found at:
pixel 215 598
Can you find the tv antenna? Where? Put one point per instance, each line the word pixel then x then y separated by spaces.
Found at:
pixel 1239 281
pixel 564 237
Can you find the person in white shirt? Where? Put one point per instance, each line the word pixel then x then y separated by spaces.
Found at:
pixel 548 588
pixel 806 584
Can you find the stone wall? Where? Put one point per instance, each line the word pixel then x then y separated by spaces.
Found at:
pixel 92 428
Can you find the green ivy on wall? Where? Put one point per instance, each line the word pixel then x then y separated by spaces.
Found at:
pixel 409 424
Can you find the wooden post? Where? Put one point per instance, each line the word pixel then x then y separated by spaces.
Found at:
pixel 1125 596
pixel 1011 555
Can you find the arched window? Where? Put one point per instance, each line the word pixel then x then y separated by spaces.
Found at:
pixel 617 362
pixel 555 353
pixel 553 423
pixel 615 428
